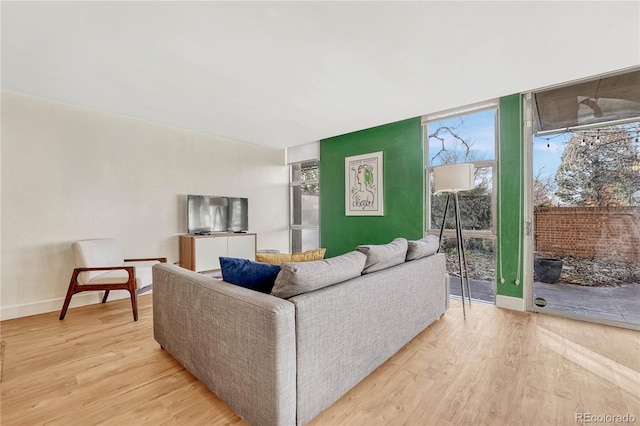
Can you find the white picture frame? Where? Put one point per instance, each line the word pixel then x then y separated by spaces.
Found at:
pixel 364 191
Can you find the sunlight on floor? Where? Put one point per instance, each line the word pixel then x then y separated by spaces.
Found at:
pixel 606 368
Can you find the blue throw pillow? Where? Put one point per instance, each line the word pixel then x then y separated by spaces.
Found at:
pixel 247 273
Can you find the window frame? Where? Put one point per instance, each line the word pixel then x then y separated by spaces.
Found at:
pixel 492 164
pixel 296 184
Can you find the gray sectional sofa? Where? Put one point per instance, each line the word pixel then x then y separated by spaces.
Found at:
pixel 278 361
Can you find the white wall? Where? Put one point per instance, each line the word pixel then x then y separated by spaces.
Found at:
pixel 70 173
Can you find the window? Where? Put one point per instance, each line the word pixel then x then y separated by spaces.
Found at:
pixel 467 136
pixel 305 206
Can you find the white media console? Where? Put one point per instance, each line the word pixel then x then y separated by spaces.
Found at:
pixel 201 252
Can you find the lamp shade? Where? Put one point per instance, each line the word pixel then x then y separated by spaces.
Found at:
pixel 453 177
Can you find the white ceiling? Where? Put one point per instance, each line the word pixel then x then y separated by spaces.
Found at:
pixel 287 73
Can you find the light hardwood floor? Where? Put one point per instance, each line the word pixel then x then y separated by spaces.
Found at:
pixel 498 367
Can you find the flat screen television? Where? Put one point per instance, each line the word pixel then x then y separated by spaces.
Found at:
pixel 208 214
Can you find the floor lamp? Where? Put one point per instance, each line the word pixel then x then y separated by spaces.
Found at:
pixel 453 178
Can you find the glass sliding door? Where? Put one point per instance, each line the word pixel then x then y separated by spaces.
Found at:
pixel 586 202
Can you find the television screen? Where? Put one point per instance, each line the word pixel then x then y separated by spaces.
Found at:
pixel 238 214
pixel 207 214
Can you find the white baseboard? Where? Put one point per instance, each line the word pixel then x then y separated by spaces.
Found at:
pixel 508 302
pixel 55 305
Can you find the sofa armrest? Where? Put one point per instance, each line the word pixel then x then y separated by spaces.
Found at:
pixel 239 342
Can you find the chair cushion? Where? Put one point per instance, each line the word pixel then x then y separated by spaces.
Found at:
pixel 246 273
pixel 143 277
pixel 95 253
pixel 381 256
pixel 423 247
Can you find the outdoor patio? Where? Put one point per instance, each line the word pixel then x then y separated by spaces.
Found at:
pixel 609 303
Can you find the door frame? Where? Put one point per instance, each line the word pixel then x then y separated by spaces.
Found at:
pixel 529 231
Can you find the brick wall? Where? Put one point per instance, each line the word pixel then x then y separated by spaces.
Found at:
pixel 590 232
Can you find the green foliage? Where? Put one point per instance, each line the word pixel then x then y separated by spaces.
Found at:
pixel 600 167
pixel 475 211
pixel 307 172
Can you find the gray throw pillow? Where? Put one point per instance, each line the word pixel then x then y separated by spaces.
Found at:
pixel 381 256
pixel 302 277
pixel 423 247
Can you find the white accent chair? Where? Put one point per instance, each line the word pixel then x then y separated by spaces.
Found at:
pixel 100 266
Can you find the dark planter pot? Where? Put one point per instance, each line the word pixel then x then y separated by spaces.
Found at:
pixel 547 270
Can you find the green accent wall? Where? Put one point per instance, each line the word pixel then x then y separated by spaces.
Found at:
pixel 404 192
pixel 510 256
pixel 403 173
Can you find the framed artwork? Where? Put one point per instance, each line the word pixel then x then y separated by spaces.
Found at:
pixel 364 185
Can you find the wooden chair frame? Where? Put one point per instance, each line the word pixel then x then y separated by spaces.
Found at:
pixel 129 285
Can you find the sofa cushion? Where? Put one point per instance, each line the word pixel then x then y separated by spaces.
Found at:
pixel 423 247
pixel 280 258
pixel 273 258
pixel 246 273
pixel 309 255
pixel 303 277
pixel 381 256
